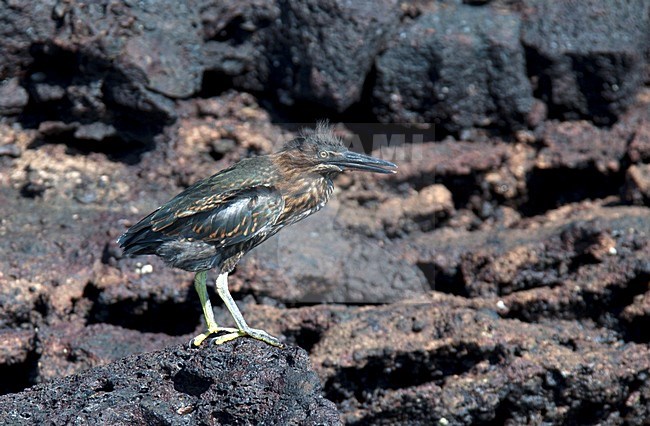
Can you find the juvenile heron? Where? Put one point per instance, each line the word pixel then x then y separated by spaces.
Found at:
pixel 214 222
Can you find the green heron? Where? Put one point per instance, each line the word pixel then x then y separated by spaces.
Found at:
pixel 214 222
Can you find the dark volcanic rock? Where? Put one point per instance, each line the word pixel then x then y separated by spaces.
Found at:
pixel 459 67
pixel 454 163
pixel 327 48
pixel 587 58
pixel 240 382
pixel 554 318
pixel 70 347
pixel 15 41
pixel 580 145
pixel 160 42
pixel 579 160
pixel 13 98
pixel 92 65
pixel 636 318
pixel 513 280
pixel 314 51
pixel 17 359
pixel 236 37
pixel 424 210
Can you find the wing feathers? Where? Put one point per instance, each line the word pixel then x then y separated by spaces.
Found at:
pixel 236 217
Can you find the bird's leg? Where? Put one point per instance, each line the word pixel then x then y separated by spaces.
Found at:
pixel 244 329
pixel 208 314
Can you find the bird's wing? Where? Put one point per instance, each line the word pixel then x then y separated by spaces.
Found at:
pixel 223 219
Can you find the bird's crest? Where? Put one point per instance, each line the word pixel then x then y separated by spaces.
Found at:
pixel 323 136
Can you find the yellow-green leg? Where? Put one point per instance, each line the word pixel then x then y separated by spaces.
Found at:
pixel 242 327
pixel 200 286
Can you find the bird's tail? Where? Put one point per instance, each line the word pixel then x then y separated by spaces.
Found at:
pixel 141 239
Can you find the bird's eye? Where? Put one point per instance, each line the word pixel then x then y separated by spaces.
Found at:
pixel 323 154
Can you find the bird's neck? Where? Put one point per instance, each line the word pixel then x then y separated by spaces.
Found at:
pixel 304 194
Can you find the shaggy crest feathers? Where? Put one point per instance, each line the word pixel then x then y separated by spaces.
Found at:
pixel 322 137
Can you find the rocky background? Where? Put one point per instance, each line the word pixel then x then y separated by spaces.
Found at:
pixel 501 277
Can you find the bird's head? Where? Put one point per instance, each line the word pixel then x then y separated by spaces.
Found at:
pixel 321 151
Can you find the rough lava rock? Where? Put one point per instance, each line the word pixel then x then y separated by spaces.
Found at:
pixel 241 382
pixel 89 67
pixel 511 268
pixel 301 51
pixel 588 58
pixel 426 362
pixel 455 75
pixel 160 42
pixel 15 44
pixel 637 187
pixel 580 245
pixel 331 48
pixel 13 98
pixel 575 278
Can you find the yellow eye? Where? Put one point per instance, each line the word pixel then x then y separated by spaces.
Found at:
pixel 323 154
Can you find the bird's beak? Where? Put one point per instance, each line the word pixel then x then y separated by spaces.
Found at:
pixel 356 161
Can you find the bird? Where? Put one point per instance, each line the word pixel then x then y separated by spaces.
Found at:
pixel 213 223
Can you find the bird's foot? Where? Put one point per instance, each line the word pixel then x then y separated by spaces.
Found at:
pixel 263 336
pixel 214 330
pixel 251 332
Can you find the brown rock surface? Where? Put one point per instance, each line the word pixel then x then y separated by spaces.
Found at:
pixel 637 187
pixel 499 277
pixel 494 295
pixel 427 361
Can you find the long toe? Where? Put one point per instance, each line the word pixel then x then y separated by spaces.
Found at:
pixel 233 333
pixel 264 337
pixel 197 340
pixel 226 337
pixel 201 337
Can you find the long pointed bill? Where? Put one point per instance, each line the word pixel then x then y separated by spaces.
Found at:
pixel 356 161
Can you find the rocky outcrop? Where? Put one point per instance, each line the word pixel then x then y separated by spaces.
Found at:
pixel 180 385
pixel 501 276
